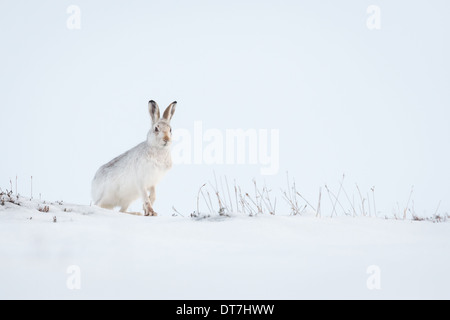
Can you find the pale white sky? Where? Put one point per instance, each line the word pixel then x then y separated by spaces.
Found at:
pixel 374 104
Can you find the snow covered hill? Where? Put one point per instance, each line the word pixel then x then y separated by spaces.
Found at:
pixel 58 250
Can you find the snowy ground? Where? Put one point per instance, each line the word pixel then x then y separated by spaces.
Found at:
pixel 239 257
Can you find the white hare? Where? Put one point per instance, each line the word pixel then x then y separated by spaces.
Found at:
pixel 136 172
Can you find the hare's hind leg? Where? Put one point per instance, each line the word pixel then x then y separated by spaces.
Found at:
pixel 133 213
pixel 124 204
pixel 124 209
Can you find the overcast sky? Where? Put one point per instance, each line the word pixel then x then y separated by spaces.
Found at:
pixel 373 104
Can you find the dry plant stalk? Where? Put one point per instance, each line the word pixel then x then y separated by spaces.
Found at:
pixel 407 204
pixel 291 196
pixel 318 204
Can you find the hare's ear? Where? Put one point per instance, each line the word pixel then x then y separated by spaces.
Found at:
pixel 153 109
pixel 170 110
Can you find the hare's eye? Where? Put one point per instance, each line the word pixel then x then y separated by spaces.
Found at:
pixel 170 130
pixel 156 129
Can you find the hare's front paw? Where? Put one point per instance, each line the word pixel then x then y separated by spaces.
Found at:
pixel 148 210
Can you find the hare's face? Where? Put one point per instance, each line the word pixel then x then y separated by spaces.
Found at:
pixel 162 133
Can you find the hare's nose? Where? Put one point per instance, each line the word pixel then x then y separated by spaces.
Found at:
pixel 166 139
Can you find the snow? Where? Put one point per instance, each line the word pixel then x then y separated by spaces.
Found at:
pixel 314 90
pixel 237 257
